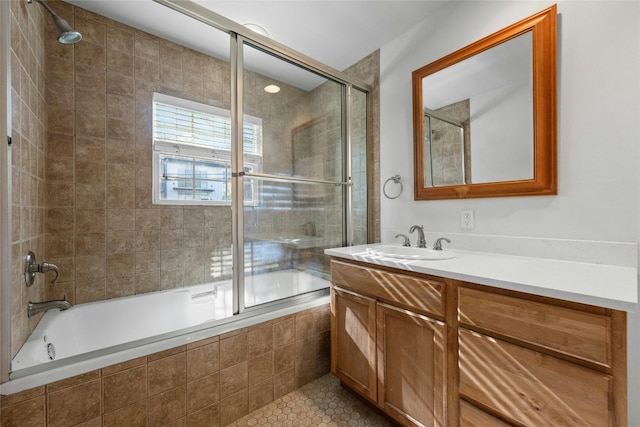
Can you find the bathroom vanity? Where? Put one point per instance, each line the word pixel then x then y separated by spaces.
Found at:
pixel 463 348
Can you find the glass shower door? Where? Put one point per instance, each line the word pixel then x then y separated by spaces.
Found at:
pixel 294 180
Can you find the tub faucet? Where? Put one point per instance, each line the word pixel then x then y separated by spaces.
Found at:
pixel 31 267
pixel 37 307
pixel 309 228
pixel 421 243
pixel 47 266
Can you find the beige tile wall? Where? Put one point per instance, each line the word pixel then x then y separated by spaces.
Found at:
pixel 28 123
pixel 451 156
pixel 367 189
pixel 208 383
pixel 102 229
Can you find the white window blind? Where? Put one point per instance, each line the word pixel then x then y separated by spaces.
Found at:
pixel 186 122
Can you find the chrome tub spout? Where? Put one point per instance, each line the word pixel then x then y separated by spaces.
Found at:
pixel 38 307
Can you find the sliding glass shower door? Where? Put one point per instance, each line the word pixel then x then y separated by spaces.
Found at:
pixel 295 178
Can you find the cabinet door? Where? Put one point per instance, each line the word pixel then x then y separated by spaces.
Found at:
pixel 353 341
pixel 411 366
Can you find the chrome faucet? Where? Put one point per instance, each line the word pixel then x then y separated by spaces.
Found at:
pixel 437 245
pixel 47 266
pixel 405 241
pixel 37 307
pixel 31 267
pixel 421 243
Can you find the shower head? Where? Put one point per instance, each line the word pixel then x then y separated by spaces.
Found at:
pixel 66 34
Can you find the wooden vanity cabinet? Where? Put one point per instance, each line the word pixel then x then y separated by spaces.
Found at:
pixel 388 353
pixel 439 352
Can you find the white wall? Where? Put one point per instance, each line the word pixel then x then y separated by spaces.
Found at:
pixel 502 153
pixel 598 131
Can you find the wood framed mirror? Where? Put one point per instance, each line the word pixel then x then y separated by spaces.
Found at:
pixel 484 117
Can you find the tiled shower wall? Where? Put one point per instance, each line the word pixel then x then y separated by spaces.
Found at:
pixel 28 123
pixel 207 383
pixel 102 228
pixel 450 152
pixel 366 150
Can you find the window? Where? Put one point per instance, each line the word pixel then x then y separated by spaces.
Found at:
pixel 192 152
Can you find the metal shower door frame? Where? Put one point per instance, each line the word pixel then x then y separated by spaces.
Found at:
pixel 237 70
pixel 5 193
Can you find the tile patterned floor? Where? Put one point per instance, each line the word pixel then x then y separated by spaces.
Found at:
pixel 321 403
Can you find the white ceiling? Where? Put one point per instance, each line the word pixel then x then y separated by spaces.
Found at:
pixel 336 33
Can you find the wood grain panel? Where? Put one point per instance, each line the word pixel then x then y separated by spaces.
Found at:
pixel 470 416
pixel 531 388
pixel 619 370
pixel 353 341
pixel 569 331
pixel 413 293
pixel 411 367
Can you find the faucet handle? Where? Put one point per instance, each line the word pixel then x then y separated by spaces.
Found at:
pixel 31 267
pixel 437 245
pixel 405 241
pixel 47 266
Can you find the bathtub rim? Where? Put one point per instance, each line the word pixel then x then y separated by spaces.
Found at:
pixel 56 370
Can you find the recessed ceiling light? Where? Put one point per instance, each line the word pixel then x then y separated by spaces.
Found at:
pixel 257 29
pixel 272 89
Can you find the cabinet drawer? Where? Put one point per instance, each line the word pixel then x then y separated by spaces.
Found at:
pixel 569 331
pixel 422 295
pixel 531 388
pixel 470 416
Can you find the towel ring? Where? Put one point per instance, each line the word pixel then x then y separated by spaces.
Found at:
pixel 396 179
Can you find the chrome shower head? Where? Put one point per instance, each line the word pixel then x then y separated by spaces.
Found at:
pixel 66 34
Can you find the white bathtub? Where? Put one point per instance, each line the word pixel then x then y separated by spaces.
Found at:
pixel 93 326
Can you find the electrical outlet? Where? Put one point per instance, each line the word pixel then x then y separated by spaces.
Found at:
pixel 467 220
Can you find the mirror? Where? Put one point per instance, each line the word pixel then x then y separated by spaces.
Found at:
pixel 484 117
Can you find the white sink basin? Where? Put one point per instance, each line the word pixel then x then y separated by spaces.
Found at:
pixel 406 252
